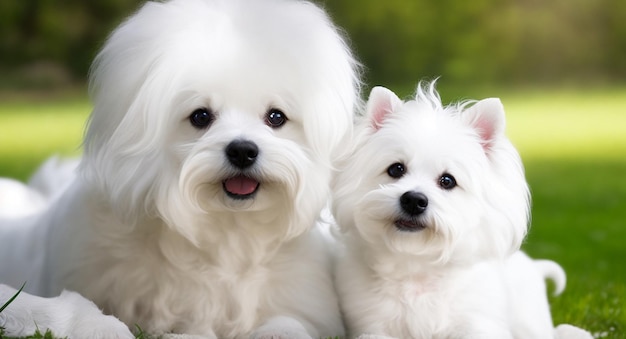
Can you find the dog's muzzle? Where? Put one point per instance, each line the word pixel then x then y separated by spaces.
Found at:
pixel 241 154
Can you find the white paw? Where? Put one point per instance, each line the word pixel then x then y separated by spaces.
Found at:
pixel 281 327
pixel 69 315
pixel 86 320
pixel 105 330
pixel 185 336
pixel 286 333
pixel 373 336
pixel 566 331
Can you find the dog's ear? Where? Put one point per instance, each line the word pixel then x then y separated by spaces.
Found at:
pixel 487 118
pixel 381 102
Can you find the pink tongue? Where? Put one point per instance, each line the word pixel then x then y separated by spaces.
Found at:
pixel 241 185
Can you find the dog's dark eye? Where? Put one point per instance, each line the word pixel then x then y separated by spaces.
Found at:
pixel 201 118
pixel 275 118
pixel 447 181
pixel 396 170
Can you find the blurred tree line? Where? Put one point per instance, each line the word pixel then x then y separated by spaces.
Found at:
pixel 478 41
pixel 488 41
pixel 61 35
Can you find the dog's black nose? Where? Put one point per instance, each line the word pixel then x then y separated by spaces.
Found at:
pixel 242 153
pixel 414 203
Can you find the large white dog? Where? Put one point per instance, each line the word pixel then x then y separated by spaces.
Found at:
pixel 207 160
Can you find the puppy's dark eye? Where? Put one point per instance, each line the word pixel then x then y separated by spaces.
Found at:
pixel 447 181
pixel 275 118
pixel 396 170
pixel 201 118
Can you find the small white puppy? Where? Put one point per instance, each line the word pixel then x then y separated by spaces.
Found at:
pixel 207 160
pixel 433 207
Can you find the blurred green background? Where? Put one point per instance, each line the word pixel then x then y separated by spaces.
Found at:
pixel 559 67
pixel 465 42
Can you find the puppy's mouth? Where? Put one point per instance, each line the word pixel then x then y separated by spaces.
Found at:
pixel 240 187
pixel 409 225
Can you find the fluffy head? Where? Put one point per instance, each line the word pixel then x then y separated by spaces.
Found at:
pixel 179 82
pixel 440 183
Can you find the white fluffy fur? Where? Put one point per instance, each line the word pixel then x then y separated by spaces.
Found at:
pixel 146 231
pixel 461 276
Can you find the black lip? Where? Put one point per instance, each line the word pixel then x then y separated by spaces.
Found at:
pixel 409 225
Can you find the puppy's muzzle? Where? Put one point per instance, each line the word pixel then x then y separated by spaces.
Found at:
pixel 413 204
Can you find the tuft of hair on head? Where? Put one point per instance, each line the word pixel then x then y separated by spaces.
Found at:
pixel 426 93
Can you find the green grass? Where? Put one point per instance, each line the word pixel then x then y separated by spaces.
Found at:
pixel 573 143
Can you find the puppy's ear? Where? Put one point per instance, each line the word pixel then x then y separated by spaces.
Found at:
pixel 487 118
pixel 380 104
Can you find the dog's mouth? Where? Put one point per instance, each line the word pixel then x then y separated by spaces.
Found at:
pixel 240 187
pixel 409 225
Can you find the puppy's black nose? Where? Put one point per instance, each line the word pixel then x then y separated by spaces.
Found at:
pixel 413 203
pixel 242 153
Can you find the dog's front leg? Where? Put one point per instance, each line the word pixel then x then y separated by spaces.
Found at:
pixel 68 315
pixel 281 327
